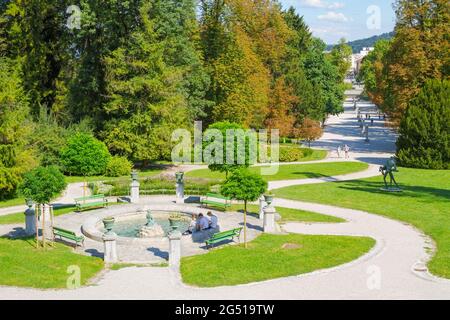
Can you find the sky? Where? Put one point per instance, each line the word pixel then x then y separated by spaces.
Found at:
pixel 332 20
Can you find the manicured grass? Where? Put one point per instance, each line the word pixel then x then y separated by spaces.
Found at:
pixel 291 215
pixel 22 265
pixel 265 258
pixel 20 217
pixel 292 172
pixel 12 202
pixel 142 174
pixel 424 203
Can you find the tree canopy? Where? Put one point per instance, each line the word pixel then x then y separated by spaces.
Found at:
pixel 42 184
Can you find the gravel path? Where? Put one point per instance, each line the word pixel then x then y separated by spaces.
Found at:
pixel 387 272
pixel 393 269
pixel 74 190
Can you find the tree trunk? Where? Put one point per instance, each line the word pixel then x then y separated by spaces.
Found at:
pixel 37 207
pixel 245 224
pixel 43 226
pixel 51 225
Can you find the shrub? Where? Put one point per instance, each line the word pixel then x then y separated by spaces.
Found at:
pixel 84 155
pixel 424 140
pixel 290 154
pixel 118 167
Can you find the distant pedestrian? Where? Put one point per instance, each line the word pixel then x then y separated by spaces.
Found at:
pixel 339 150
pixel 347 150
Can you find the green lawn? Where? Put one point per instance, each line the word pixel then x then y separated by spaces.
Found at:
pixel 22 265
pixel 424 203
pixel 142 174
pixel 292 172
pixel 266 259
pixel 12 202
pixel 291 215
pixel 73 179
pixel 19 217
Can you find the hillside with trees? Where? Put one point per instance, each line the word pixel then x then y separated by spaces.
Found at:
pixel 397 77
pixel 134 71
pixel 358 45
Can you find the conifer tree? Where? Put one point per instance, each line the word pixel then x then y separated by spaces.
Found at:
pixel 424 140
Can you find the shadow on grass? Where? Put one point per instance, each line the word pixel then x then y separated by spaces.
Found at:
pixel 428 194
pixel 310 175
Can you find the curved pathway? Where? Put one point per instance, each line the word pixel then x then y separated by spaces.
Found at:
pixel 73 190
pixel 393 269
pixel 384 273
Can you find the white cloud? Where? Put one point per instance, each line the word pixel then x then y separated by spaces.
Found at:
pixel 329 31
pixel 336 5
pixel 321 4
pixel 333 17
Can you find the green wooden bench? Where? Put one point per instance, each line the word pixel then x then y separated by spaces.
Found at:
pixel 70 235
pixel 90 202
pixel 216 200
pixel 222 236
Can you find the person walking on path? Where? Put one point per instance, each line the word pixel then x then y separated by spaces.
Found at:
pixel 347 150
pixel 339 150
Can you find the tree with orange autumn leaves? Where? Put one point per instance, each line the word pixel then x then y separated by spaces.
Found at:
pixel 419 51
pixel 249 44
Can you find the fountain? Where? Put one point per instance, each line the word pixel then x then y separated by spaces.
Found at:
pixel 151 229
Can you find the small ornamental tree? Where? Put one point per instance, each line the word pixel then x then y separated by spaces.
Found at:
pixel 309 131
pixel 84 155
pixel 223 127
pixel 244 186
pixel 42 185
pixel 424 140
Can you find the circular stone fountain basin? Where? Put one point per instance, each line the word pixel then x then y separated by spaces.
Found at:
pixel 129 217
pixel 129 225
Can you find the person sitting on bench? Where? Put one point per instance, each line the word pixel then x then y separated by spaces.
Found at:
pixel 193 225
pixel 203 223
pixel 213 220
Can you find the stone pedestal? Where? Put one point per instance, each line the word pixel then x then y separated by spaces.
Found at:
pixel 174 248
pixel 269 219
pixel 262 204
pixel 134 191
pixel 30 221
pixel 110 248
pixel 180 192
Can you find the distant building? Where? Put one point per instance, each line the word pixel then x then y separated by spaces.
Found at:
pixel 358 57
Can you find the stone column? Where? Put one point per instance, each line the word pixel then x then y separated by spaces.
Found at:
pixel 269 219
pixel 134 188
pixel 30 220
pixel 180 187
pixel 262 204
pixel 110 248
pixel 174 248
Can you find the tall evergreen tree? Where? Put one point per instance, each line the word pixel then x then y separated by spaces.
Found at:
pixel 38 34
pixel 176 24
pixel 144 104
pixel 15 126
pixel 424 140
pixel 420 50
